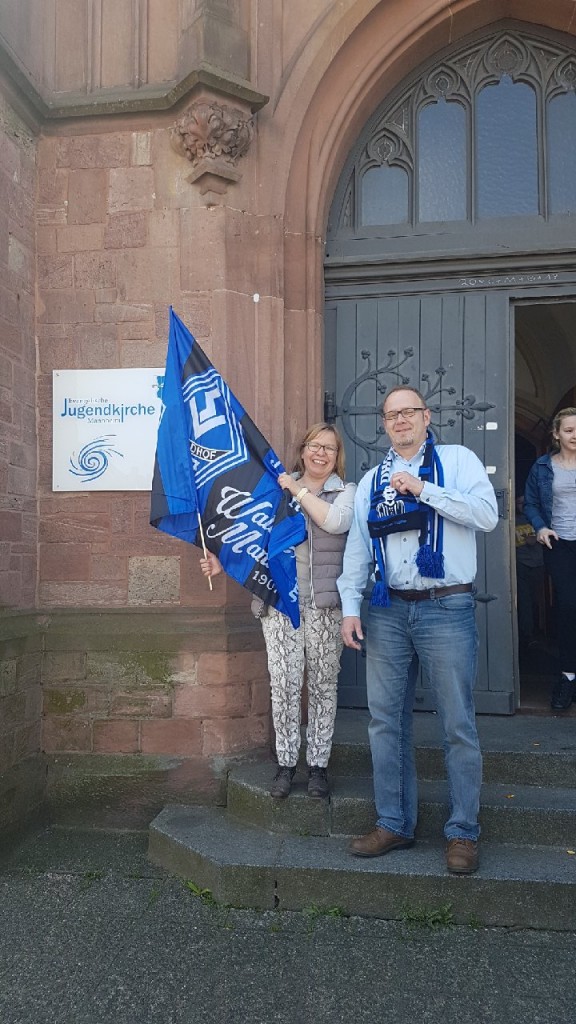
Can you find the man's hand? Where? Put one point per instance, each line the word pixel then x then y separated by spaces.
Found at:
pixel 405 483
pixel 351 630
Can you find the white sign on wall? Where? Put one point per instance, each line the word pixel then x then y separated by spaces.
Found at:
pixel 105 427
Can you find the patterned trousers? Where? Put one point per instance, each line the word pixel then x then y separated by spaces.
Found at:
pixel 317 644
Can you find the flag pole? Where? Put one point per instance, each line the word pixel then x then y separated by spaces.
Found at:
pixel 204 545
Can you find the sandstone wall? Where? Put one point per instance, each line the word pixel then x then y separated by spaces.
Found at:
pixel 18 519
pixel 21 776
pixel 124 228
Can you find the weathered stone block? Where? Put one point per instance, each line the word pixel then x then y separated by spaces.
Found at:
pixel 70 595
pixel 185 668
pixel 53 188
pixel 8 671
pixel 131 189
pixel 6 751
pixel 63 666
pixel 142 275
pixel 67 307
pixel 26 741
pixel 34 702
pixel 129 668
pixel 109 567
pixel 22 789
pixel 11 526
pixel 59 562
pixel 260 698
pixel 29 668
pixel 153 580
pixel 97 352
pixel 61 734
pixel 234 735
pixel 85 151
pixel 64 701
pixel 45 238
pixel 141 705
pixel 211 701
pixel 171 736
pixel 140 149
pixel 122 312
pixel 222 667
pixel 79 237
pixel 141 331
pixel 126 231
pixel 163 228
pixel 106 295
pixel 115 737
pixel 74 524
pixel 202 234
pixel 87 193
pixel 94 270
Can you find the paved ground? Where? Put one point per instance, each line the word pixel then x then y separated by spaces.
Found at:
pixel 90 933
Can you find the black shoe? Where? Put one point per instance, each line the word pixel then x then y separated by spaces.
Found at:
pixel 282 783
pixel 562 694
pixel 318 782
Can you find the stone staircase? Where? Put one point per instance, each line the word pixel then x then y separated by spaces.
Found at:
pixel 292 854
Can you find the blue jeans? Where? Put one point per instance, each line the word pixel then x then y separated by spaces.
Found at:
pixel 441 635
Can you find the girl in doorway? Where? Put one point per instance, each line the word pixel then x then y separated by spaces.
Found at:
pixel 550 505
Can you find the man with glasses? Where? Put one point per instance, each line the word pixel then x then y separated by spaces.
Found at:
pixel 414 522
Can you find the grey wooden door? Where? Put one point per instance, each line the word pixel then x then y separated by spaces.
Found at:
pixel 455 347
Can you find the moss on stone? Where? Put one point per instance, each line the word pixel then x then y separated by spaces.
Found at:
pixel 133 669
pixel 61 702
pixel 149 666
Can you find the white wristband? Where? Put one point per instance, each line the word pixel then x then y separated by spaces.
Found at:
pixel 301 493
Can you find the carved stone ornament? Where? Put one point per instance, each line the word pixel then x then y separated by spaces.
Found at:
pixel 213 137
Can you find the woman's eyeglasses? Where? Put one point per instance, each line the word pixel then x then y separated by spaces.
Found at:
pixel 314 447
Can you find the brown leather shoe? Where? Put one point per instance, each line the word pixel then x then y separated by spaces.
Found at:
pixel 380 841
pixel 462 856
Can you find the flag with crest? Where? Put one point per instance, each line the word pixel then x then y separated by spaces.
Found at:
pixel 212 462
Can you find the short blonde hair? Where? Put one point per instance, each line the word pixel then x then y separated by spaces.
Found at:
pixel 311 433
pixel 402 387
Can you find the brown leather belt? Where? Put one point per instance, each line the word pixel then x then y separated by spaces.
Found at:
pixel 425 595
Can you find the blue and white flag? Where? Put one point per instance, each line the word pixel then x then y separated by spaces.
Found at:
pixel 211 460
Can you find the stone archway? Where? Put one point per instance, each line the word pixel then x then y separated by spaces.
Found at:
pixel 361 59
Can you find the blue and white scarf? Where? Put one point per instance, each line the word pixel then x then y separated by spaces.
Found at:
pixel 391 512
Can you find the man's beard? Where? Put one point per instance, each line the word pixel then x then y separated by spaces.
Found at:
pixel 405 440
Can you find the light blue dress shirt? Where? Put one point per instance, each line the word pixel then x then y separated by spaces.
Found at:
pixel 466 502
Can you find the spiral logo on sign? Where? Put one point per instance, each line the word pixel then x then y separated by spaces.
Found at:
pixel 93 459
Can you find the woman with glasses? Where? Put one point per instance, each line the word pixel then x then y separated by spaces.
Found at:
pixel 317 484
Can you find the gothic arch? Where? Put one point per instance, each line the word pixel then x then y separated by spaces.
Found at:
pixel 347 81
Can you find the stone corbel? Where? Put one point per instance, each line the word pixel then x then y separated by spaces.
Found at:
pixel 213 135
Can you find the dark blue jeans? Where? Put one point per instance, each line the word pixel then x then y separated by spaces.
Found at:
pixel 440 634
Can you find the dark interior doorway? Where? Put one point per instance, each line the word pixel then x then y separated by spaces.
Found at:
pixel 545 351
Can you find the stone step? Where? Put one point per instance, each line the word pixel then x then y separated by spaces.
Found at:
pixel 243 866
pixel 530 750
pixel 517 814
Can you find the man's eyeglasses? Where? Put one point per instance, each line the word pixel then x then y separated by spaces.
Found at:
pixel 407 414
pixel 314 447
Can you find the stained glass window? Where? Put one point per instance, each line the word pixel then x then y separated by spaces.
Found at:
pixel 562 153
pixel 385 196
pixel 442 163
pixel 506 150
